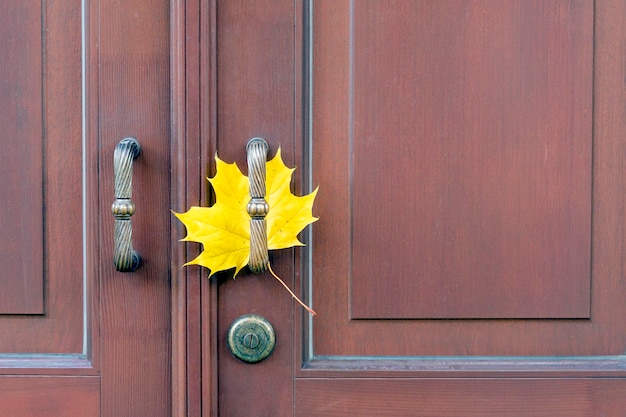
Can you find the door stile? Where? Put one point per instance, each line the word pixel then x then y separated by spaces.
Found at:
pixel 304 182
pixel 194 344
pixel 207 302
pixel 91 151
pixel 133 84
pixel 178 198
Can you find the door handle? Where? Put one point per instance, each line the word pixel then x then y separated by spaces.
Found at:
pixel 126 259
pixel 257 208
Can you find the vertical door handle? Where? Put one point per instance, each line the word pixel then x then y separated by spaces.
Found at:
pixel 257 208
pixel 126 259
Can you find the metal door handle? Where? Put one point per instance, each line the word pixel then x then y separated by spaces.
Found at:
pixel 257 208
pixel 126 259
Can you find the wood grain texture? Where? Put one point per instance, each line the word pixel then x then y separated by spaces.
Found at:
pixel 460 397
pixel 256 97
pixel 470 153
pixel 251 97
pixel 50 396
pixel 21 159
pixel 178 192
pixel 133 75
pixel 205 328
pixel 193 139
pixel 336 247
pixel 127 93
pixel 45 153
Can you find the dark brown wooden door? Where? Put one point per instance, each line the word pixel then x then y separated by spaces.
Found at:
pixel 76 337
pixel 469 258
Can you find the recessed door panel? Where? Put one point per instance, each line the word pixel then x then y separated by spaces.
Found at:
pixel 21 159
pixel 458 231
pixel 42 304
pixel 470 156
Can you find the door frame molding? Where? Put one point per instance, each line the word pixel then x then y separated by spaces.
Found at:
pixel 178 198
pixel 193 140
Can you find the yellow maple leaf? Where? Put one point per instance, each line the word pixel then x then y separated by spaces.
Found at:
pixel 288 214
pixel 224 228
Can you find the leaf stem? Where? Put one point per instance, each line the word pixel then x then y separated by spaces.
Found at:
pixel 309 309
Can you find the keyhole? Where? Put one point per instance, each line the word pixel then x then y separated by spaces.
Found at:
pixel 250 340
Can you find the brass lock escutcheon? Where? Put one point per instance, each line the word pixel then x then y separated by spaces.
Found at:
pixel 251 338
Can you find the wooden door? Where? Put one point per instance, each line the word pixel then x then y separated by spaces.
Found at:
pixel 76 337
pixel 469 256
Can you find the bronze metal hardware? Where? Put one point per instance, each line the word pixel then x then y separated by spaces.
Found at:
pixel 257 208
pixel 126 259
pixel 251 338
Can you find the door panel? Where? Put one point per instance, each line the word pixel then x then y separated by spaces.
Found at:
pixel 76 337
pixel 56 396
pixel 475 124
pixel 454 206
pixel 459 397
pixel 21 163
pixel 41 167
pixel 469 254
